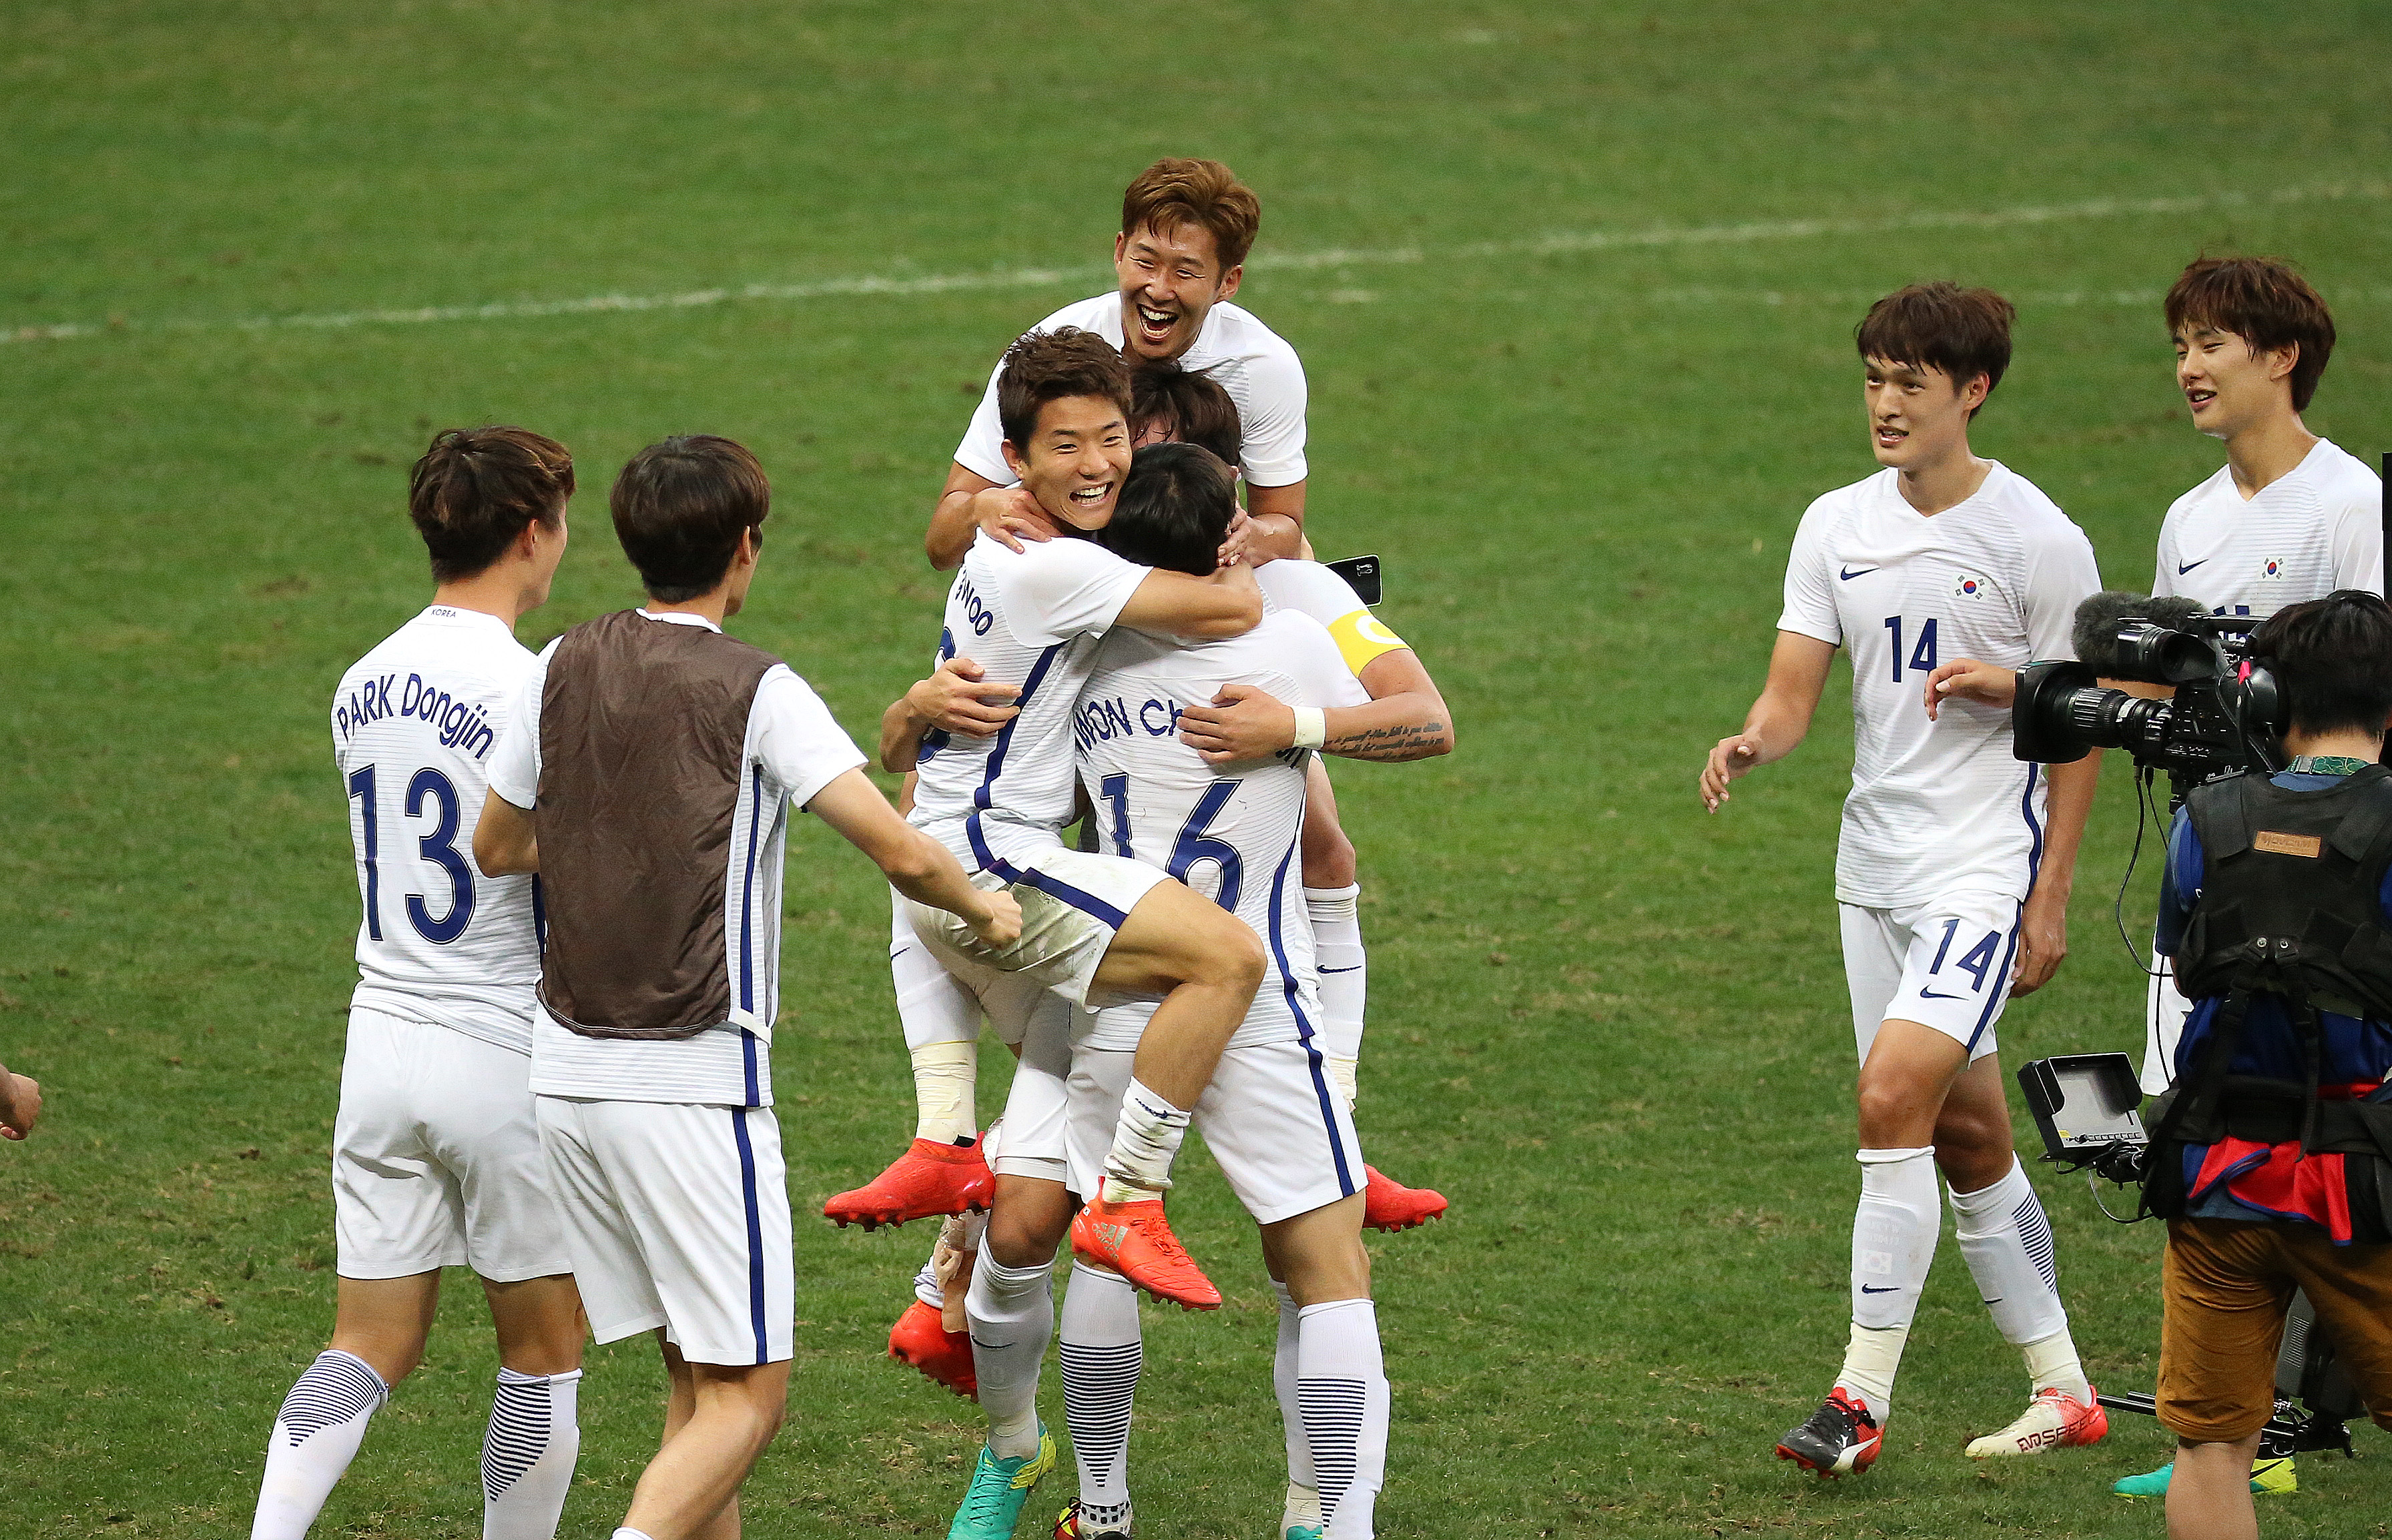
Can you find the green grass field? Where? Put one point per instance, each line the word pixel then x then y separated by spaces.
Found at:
pixel 1574 287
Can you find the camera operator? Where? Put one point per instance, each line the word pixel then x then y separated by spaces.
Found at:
pixel 2273 1166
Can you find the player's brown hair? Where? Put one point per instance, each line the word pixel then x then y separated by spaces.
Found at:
pixel 475 489
pixel 2262 301
pixel 1174 510
pixel 2334 656
pixel 679 506
pixel 1173 192
pixel 1190 403
pixel 1960 332
pixel 1050 366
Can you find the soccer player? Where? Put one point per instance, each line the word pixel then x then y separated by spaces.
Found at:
pixel 1273 1116
pixel 1186 228
pixel 647 774
pixel 1172 402
pixel 435 1160
pixel 2288 517
pixel 1954 868
pixel 20 1102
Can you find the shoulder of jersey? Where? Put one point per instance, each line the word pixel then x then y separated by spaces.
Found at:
pixel 1845 499
pixel 2344 475
pixel 1243 331
pixel 2032 503
pixel 1085 314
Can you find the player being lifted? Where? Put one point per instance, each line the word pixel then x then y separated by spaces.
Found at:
pixel 1231 823
pixel 1406 719
pixel 1180 256
pixel 435 1160
pixel 1955 863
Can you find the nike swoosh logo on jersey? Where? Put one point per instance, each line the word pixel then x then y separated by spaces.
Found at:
pixel 1887 1289
pixel 1931 994
pixel 1846 573
pixel 1356 968
pixel 2187 567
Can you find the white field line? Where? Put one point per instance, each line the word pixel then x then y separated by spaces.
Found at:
pixel 1560 243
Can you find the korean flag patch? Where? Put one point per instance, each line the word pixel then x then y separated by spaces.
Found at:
pixel 1969 586
pixel 2273 567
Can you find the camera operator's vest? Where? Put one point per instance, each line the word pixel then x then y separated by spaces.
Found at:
pixel 2290 907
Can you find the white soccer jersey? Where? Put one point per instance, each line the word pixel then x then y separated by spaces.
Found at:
pixel 2318 527
pixel 792 749
pixel 1031 617
pixel 413 725
pixel 1230 831
pixel 1936 806
pixel 1247 358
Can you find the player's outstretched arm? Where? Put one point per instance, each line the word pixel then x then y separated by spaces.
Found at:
pixel 1778 721
pixel 1228 604
pixel 1405 720
pixel 958 697
pixel 506 841
pixel 20 1102
pixel 914 864
pixel 2043 928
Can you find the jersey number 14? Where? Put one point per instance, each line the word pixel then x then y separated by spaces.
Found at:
pixel 1922 655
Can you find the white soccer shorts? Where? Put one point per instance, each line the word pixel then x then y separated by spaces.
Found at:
pixel 1072 903
pixel 1271 1118
pixel 941 995
pixel 2165 1010
pixel 435 1159
pixel 1945 964
pixel 678 1216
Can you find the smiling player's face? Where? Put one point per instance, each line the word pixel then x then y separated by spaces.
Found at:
pixel 1079 452
pixel 2230 384
pixel 1916 415
pixel 1169 281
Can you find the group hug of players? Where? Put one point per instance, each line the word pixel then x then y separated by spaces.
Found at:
pixel 558 1060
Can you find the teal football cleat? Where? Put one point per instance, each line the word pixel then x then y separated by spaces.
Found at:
pixel 2271 1476
pixel 1302 1532
pixel 993 1504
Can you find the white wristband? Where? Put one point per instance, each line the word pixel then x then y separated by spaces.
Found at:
pixel 1311 727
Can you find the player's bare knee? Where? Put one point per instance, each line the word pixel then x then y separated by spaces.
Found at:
pixel 1018 1240
pixel 1328 856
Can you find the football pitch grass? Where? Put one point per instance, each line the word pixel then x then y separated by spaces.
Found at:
pixel 1574 289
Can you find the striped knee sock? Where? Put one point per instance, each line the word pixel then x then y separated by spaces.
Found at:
pixel 316 1434
pixel 527 1454
pixel 1101 1357
pixel 1341 1386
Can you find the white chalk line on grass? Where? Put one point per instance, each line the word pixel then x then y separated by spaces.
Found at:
pixel 1556 244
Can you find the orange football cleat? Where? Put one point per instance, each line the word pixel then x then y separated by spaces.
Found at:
pixel 928 1180
pixel 920 1337
pixel 1387 1204
pixel 1134 1240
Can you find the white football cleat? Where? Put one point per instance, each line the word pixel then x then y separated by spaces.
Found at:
pixel 2054 1419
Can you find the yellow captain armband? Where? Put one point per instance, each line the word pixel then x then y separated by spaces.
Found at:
pixel 1361 636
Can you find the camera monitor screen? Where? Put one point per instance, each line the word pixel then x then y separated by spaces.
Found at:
pixel 2082 1102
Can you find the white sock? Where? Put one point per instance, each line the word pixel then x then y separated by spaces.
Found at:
pixel 1344 974
pixel 2052 1364
pixel 2007 1241
pixel 1303 1486
pixel 1146 1141
pixel 316 1434
pixel 1341 1386
pixel 1894 1229
pixel 1012 1315
pixel 527 1455
pixel 1103 1354
pixel 943 1074
pixel 1870 1359
pixel 628 1532
pixel 1341 1075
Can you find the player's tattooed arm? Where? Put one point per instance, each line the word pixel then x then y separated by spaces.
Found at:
pixel 20 1102
pixel 955 698
pixel 1246 723
pixel 1778 721
pixel 506 841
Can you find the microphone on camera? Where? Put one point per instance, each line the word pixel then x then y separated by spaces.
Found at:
pixel 2097 619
